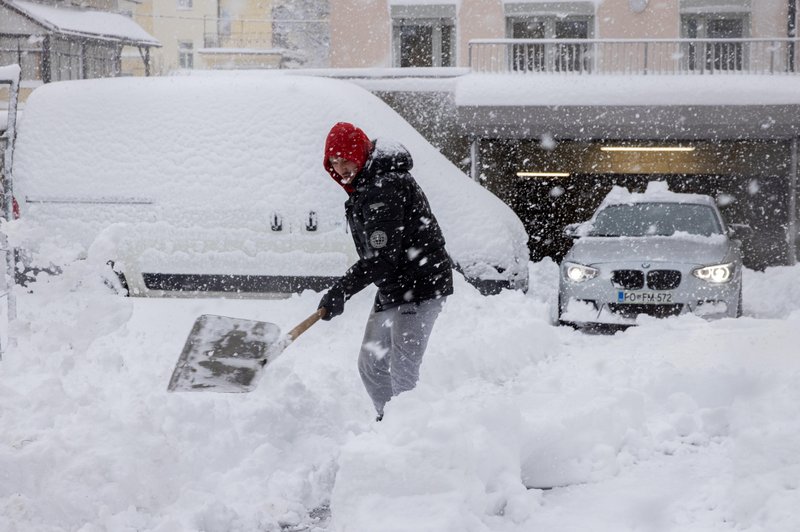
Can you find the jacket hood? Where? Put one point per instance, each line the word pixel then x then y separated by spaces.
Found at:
pixel 348 142
pixel 389 156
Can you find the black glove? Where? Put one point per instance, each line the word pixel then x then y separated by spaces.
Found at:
pixel 333 303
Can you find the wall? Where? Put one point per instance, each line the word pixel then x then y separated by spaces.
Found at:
pixel 361 29
pixel 478 19
pixel 659 20
pixel 166 22
pixel 361 34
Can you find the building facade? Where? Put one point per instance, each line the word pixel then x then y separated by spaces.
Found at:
pixel 553 103
pixel 402 33
pixel 235 34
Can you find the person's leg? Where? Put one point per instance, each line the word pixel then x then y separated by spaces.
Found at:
pixel 373 360
pixel 410 332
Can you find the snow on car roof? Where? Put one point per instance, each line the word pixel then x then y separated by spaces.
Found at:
pixel 657 191
pixel 232 150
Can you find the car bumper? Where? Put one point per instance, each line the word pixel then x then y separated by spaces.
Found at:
pixel 601 301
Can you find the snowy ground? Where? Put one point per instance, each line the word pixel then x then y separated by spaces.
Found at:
pixel 677 424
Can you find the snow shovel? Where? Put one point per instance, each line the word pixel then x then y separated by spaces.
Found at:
pixel 224 354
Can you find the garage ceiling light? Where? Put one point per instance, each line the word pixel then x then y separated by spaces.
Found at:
pixel 647 148
pixel 542 174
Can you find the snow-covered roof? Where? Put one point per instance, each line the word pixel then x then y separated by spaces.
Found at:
pixel 618 90
pixel 84 22
pixel 724 106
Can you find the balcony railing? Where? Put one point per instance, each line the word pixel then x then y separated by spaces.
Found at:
pixel 256 41
pixel 635 57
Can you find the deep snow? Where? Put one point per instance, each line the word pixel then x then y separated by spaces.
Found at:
pixel 677 424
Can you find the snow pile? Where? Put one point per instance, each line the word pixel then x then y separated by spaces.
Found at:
pixel 677 424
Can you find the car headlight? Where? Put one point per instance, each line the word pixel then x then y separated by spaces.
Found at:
pixel 718 273
pixel 578 273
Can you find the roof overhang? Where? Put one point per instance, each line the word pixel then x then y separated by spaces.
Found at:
pixel 83 23
pixel 597 107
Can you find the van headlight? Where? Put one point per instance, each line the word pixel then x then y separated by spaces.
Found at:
pixel 717 273
pixel 578 273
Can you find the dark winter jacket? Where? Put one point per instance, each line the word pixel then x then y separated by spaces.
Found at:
pixel 399 242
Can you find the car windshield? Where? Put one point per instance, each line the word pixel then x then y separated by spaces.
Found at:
pixel 656 219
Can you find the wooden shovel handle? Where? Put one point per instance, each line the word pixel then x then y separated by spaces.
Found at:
pixel 306 324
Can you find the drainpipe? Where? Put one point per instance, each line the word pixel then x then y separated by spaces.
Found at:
pixel 47 60
pixel 791 30
pixel 7 196
pixel 473 159
pixel 792 235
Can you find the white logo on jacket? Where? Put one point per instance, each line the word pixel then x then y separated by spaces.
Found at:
pixel 378 239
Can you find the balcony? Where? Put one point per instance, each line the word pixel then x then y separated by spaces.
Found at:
pixel 239 41
pixel 635 57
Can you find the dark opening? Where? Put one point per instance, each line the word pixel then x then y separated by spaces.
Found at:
pixel 756 194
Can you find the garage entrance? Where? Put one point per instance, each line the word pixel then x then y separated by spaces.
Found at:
pixel 551 184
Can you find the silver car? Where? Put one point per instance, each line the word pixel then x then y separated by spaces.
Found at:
pixel 657 253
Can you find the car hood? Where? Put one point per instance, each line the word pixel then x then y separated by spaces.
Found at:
pixel 680 249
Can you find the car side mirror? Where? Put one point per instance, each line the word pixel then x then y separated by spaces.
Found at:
pixel 571 230
pixel 739 231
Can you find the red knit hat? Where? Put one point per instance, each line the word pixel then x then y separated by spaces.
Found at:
pixel 348 142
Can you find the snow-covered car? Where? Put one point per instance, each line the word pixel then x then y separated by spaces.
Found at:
pixel 657 253
pixel 215 184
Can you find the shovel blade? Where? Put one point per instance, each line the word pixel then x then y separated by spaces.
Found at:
pixel 224 354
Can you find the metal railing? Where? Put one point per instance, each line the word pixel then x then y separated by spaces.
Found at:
pixel 237 33
pixel 636 56
pixel 254 40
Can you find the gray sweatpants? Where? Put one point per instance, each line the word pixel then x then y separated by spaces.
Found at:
pixel 391 353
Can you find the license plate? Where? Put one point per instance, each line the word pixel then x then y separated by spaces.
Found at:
pixel 644 298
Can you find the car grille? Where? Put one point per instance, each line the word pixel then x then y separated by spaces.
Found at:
pixel 235 283
pixel 658 311
pixel 663 279
pixel 627 279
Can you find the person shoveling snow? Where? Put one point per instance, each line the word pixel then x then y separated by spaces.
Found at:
pixel 401 250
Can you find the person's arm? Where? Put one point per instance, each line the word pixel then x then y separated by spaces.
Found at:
pixel 384 209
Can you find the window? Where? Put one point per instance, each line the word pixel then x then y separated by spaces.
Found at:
pixel 184 4
pixel 66 58
pixel 560 57
pixel 25 51
pixel 423 35
pixel 705 19
pixel 185 55
pixel 423 43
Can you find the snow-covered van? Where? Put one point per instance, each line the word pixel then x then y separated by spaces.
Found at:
pixel 215 184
